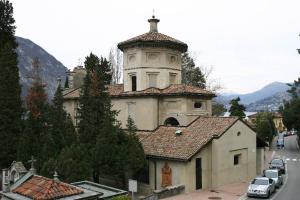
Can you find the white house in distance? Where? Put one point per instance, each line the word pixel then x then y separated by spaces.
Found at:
pixel 184 144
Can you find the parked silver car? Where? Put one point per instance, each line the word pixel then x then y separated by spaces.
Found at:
pixel 261 187
pixel 278 163
pixel 275 175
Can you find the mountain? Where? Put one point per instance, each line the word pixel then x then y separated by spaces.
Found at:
pixel 265 92
pixel 269 97
pixel 51 69
pixel 271 103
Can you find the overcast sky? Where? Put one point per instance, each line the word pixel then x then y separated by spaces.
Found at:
pixel 249 43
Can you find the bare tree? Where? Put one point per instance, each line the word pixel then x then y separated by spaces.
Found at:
pixel 212 84
pixel 115 59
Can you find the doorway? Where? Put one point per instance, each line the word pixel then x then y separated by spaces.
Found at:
pixel 198 173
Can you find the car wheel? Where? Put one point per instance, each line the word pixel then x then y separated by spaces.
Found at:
pixel 269 194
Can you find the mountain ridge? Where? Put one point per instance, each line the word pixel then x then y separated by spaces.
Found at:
pixel 269 97
pixel 51 68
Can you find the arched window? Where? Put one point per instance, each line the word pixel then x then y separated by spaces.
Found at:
pixel 12 176
pixel 171 121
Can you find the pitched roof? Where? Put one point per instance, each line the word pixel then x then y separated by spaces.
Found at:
pixel 41 188
pixel 18 166
pixel 164 143
pixel 153 39
pixel 172 90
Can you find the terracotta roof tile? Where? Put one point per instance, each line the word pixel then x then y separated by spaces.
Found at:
pixel 153 39
pixel 41 188
pixel 176 89
pixel 164 143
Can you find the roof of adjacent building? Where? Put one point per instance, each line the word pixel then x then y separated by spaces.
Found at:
pixel 106 191
pixel 153 39
pixel 41 188
pixel 172 90
pixel 18 166
pixel 164 143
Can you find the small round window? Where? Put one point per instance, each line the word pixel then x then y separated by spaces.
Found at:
pixel 197 105
pixel 238 133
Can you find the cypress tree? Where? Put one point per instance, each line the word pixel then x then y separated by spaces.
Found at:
pixel 10 100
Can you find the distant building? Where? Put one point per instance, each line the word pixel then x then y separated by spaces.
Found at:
pixel 20 184
pixel 277 119
pixel 183 143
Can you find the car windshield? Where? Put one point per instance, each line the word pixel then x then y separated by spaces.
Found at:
pixel 276 162
pixel 271 174
pixel 260 182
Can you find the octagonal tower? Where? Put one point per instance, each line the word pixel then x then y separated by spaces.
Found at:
pixel 151 60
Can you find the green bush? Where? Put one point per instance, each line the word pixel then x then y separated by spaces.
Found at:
pixel 123 197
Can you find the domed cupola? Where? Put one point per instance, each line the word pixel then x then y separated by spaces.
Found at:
pixel 151 60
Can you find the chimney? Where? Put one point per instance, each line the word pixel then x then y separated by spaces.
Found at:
pixel 55 176
pixel 153 24
pixel 5 181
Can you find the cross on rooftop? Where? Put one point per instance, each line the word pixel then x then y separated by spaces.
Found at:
pixel 32 161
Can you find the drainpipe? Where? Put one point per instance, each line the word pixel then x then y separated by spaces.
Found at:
pixel 157 112
pixel 155 185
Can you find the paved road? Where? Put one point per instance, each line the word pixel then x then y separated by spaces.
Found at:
pixel 291 189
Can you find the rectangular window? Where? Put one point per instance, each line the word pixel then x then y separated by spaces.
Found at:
pixel 172 78
pixel 152 80
pixel 237 159
pixel 133 83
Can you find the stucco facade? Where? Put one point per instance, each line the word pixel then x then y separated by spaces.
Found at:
pixel 158 109
pixel 152 67
pixel 217 162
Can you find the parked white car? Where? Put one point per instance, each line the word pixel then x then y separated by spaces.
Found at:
pixel 261 187
pixel 274 174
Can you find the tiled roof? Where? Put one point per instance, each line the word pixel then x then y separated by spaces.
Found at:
pixel 277 115
pixel 153 39
pixel 164 143
pixel 71 93
pixel 176 89
pixel 41 188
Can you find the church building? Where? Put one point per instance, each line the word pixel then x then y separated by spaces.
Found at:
pixel 184 144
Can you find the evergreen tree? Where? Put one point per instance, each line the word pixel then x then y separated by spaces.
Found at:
pixel 10 100
pixel 135 160
pixel 191 74
pixel 62 129
pixel 237 109
pixel 67 82
pixel 70 164
pixel 97 126
pixel 60 136
pixel 294 90
pixel 265 126
pixel 35 139
pixel 291 109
